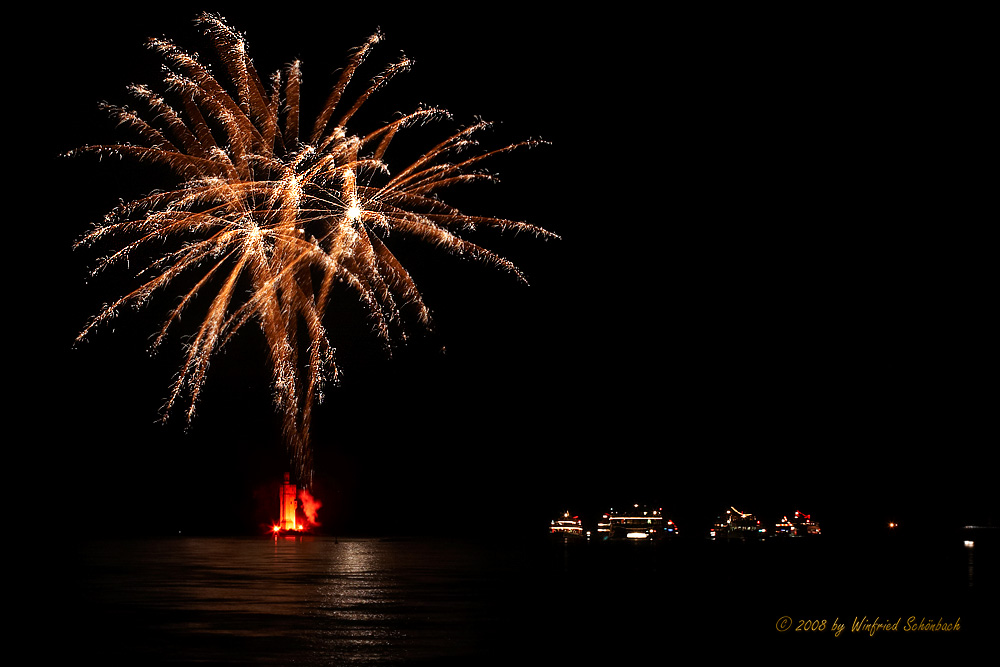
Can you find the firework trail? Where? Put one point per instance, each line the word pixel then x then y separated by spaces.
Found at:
pixel 269 217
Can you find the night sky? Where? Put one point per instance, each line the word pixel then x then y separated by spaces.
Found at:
pixel 771 289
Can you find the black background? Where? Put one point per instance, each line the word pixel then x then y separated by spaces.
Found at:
pixel 771 290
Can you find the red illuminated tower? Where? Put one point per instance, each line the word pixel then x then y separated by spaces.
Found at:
pixel 288 505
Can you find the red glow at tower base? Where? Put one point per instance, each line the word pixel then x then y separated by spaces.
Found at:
pixel 297 510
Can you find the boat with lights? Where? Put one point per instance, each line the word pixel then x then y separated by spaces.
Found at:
pixel 737 525
pixel 567 526
pixel 636 523
pixel 800 525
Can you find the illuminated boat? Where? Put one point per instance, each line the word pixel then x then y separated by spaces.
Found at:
pixel 737 525
pixel 800 525
pixel 636 523
pixel 566 526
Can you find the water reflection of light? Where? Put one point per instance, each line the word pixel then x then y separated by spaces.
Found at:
pixel 972 562
pixel 358 602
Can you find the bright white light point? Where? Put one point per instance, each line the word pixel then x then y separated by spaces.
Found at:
pixel 354 212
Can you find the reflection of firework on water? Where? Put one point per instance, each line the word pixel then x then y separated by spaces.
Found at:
pixel 265 211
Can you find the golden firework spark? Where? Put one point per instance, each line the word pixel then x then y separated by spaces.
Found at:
pixel 269 220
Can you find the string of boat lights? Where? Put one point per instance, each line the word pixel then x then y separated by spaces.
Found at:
pixel 650 524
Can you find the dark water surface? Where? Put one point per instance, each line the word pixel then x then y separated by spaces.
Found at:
pixel 321 601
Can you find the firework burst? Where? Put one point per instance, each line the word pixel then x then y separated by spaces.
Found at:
pixel 269 217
